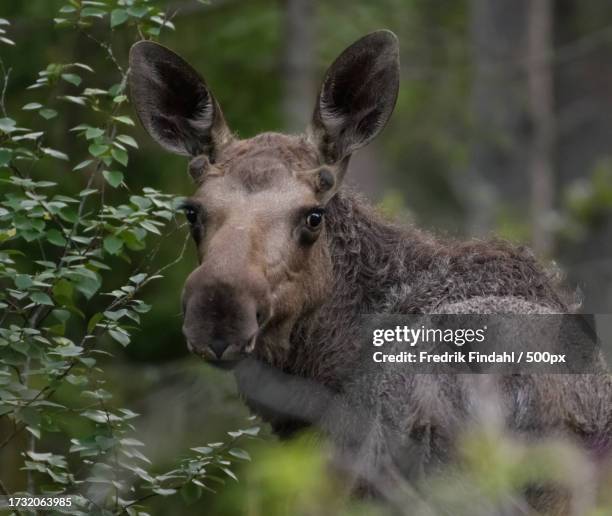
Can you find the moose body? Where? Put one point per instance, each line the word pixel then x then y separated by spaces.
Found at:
pixel 290 261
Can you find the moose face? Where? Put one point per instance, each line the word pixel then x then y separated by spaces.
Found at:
pixel 258 214
pixel 257 219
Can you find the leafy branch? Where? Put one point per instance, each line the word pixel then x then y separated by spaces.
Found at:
pixel 56 260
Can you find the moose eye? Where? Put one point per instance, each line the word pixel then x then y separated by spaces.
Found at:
pixel 191 214
pixel 314 218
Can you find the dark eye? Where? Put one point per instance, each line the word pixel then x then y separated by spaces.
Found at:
pixel 314 218
pixel 191 214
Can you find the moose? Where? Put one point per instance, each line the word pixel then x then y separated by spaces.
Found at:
pixel 290 259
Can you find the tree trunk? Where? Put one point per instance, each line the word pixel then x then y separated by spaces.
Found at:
pixel 541 108
pixel 298 63
pixel 497 170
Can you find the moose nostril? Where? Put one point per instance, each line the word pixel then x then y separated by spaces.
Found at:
pixel 218 346
pixel 259 316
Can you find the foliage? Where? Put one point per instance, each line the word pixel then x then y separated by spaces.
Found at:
pixel 493 471
pixel 57 255
pixel 588 202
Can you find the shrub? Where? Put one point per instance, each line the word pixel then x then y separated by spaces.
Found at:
pixel 56 255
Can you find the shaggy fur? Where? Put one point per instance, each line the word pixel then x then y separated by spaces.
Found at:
pixel 381 268
pixel 404 425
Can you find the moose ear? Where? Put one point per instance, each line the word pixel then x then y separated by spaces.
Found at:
pixel 174 103
pixel 357 96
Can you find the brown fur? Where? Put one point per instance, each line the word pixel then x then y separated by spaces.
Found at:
pixel 281 290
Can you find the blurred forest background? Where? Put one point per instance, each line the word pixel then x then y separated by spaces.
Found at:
pixel 503 125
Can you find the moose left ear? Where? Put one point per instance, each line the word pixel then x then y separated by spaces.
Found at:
pixel 357 96
pixel 174 103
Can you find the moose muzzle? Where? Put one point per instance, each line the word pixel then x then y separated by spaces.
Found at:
pixel 224 311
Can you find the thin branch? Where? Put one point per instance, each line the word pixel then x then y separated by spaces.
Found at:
pixel 5 80
pixel 108 48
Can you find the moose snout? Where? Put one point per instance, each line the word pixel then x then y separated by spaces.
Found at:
pixel 223 316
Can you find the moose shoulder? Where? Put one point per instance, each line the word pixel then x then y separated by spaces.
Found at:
pixel 289 260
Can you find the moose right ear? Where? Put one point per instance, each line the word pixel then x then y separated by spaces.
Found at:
pixel 173 102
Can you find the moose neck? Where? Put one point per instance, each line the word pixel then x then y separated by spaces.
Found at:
pixel 370 257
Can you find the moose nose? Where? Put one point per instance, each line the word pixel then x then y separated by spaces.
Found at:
pixel 218 346
pixel 223 314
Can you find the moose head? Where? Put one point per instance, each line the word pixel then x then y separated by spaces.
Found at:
pixel 258 214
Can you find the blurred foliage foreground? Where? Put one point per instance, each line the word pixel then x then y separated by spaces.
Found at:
pixel 63 310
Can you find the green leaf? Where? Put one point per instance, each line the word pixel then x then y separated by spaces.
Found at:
pixel 77 380
pixel 63 291
pixel 163 21
pixel 75 100
pixel 31 417
pixel 118 16
pixel 138 12
pixel 80 127
pixel 115 89
pixel 128 441
pixel 95 319
pixel 120 337
pixel 239 453
pixel 164 492
pixel 88 286
pixel 92 12
pixel 93 132
pixel 41 298
pixel 142 308
pixel 54 153
pixel 5 157
pixel 29 136
pixel 153 31
pixel 124 120
pixel 69 350
pixel 113 177
pixel 61 315
pixel 128 140
pixel 253 431
pixel 229 473
pixel 87 191
pixel 203 450
pixel 112 244
pixel 55 237
pixel 84 67
pixel 97 149
pixel 47 113
pixel 134 239
pixel 93 92
pixel 23 281
pixel 83 164
pixel 115 315
pixel 150 227
pixel 7 125
pixel 72 78
pixel 31 106
pixel 142 202
pixel 69 215
pixel 138 278
pixel 120 155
